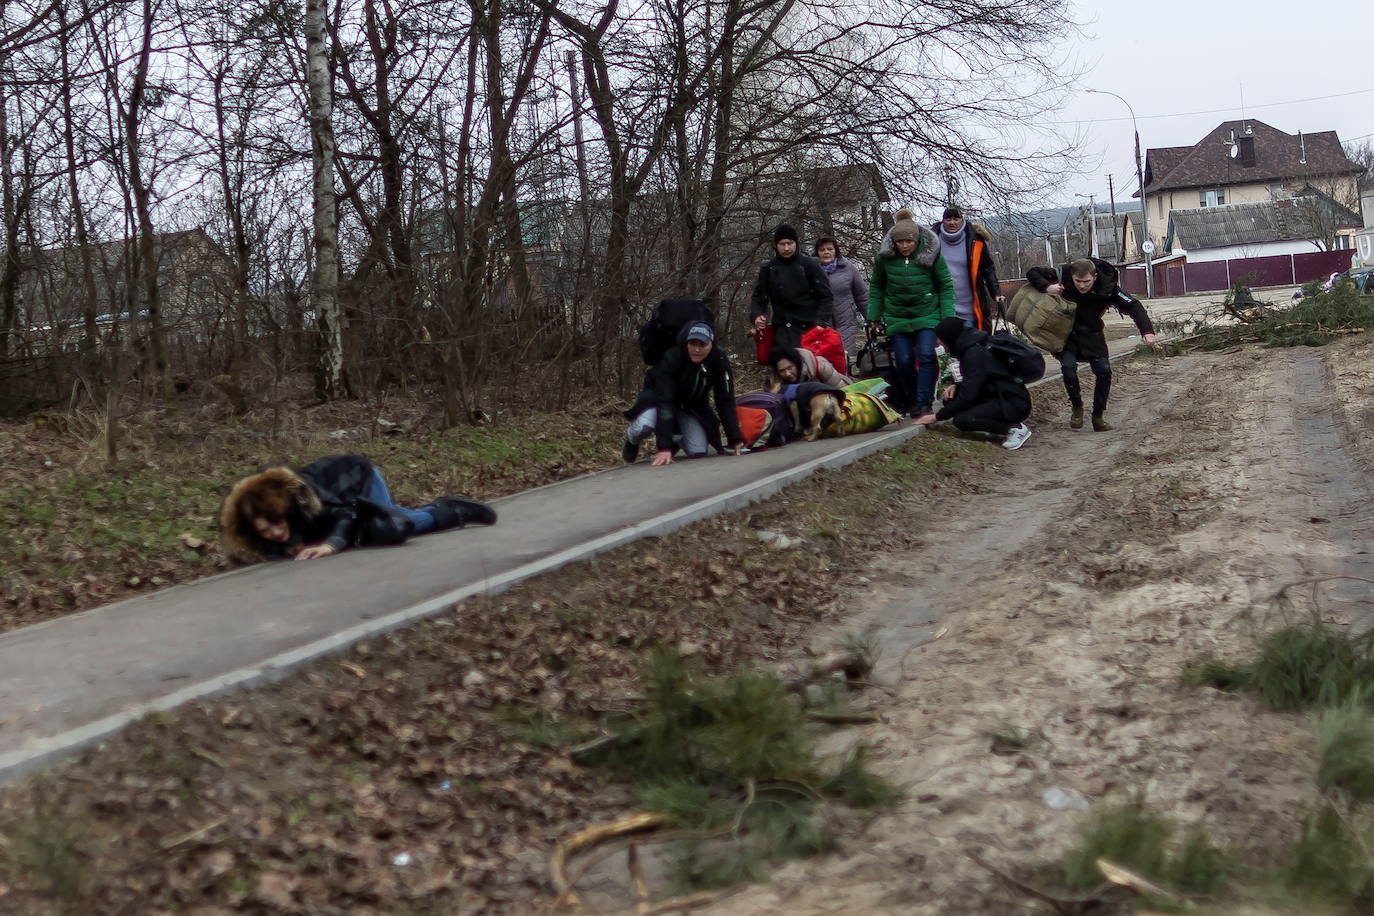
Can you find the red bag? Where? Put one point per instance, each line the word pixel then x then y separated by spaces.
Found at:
pixel 827 342
pixel 763 343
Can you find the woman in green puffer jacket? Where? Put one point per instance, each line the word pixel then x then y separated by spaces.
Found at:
pixel 910 291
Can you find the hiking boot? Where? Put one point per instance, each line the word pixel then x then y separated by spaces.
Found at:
pixel 1076 418
pixel 1016 437
pixel 454 512
pixel 630 452
pixel 1100 424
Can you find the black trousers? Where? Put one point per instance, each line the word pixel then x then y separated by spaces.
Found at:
pixel 995 417
pixel 1102 374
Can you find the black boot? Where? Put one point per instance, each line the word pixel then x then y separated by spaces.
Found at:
pixel 453 512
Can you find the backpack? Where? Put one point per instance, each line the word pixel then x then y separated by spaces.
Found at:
pixel 779 424
pixel 658 335
pixel 1021 361
pixel 827 342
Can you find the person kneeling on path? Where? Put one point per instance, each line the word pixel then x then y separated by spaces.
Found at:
pixel 989 399
pixel 1091 284
pixel 677 401
pixel 326 507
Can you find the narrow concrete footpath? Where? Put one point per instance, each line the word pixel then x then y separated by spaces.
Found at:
pixel 69 682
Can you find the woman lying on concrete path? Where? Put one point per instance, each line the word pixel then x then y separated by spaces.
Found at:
pixel 330 505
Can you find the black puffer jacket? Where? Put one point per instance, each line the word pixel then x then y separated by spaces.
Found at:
pixel 679 386
pixel 796 289
pixel 1088 338
pixel 986 377
pixel 327 502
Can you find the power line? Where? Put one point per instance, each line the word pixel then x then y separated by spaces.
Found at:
pixel 1184 114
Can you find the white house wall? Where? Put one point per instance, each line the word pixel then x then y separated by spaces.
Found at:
pixel 1259 250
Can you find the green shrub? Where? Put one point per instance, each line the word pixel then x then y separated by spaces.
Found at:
pixel 1345 748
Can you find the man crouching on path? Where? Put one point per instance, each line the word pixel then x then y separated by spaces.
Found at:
pixel 677 400
pixel 989 399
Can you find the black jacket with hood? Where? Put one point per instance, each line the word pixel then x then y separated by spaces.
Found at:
pixel 1088 338
pixel 327 502
pixel 797 290
pixel 679 386
pixel 986 377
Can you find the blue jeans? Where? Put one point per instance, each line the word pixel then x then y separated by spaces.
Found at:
pixel 378 493
pixel 917 382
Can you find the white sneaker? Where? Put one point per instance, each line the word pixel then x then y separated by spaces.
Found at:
pixel 1016 437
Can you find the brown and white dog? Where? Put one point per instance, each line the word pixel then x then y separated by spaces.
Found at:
pixel 820 411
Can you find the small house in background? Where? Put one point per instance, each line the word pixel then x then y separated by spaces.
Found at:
pixel 847 202
pixel 1117 237
pixel 1364 239
pixel 1254 230
pixel 195 287
pixel 1246 161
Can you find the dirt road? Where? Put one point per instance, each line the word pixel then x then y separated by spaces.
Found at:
pixel 1068 598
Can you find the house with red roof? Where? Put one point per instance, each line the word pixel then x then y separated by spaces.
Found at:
pixel 1246 161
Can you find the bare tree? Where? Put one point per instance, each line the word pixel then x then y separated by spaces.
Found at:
pixel 325 282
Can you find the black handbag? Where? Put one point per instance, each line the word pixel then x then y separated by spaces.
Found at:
pixel 875 357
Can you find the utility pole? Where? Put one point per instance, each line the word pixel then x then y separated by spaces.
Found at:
pixel 1147 246
pixel 1116 229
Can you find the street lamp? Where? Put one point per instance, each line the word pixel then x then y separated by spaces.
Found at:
pixel 1147 246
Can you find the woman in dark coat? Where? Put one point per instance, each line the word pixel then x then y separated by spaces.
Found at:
pixel 677 401
pixel 326 507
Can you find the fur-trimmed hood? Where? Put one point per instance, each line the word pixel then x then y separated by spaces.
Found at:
pixel 927 246
pixel 280 486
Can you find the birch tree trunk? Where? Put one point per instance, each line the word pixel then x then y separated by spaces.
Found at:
pixel 147 254
pixel 325 281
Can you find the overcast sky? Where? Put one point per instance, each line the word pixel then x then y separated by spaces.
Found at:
pixel 1170 58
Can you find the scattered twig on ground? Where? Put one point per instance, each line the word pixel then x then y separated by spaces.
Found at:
pixel 1069 906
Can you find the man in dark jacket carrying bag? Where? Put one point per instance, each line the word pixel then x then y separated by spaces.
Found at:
pixel 677 400
pixel 1091 284
pixel 990 399
pixel 795 288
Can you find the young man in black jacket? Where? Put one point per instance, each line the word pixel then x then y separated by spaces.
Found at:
pixel 989 399
pixel 1091 284
pixel 677 400
pixel 795 288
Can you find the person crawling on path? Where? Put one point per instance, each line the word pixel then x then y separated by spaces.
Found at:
pixel 326 507
pixel 1091 283
pixel 676 406
pixel 989 399
pixel 791 365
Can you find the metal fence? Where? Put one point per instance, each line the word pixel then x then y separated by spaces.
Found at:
pixel 1177 279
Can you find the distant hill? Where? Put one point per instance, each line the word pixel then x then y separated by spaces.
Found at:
pixel 1053 219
